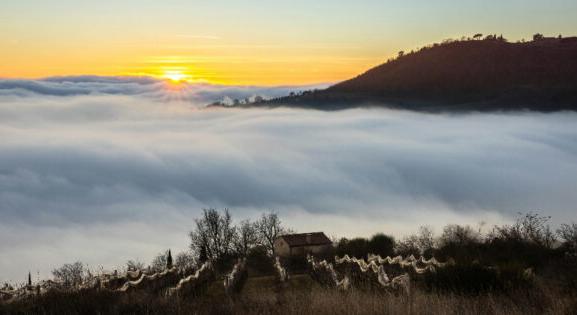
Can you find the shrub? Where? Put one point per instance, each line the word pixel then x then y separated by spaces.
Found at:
pixel 356 247
pixel 258 261
pixel 381 244
pixel 476 279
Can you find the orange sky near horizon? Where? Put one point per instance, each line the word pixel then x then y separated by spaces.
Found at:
pixel 198 59
pixel 250 42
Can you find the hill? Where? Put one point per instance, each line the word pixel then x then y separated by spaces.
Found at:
pixel 489 74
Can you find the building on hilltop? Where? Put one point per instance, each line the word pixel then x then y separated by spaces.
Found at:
pixel 302 244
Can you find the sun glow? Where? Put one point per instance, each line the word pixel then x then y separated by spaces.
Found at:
pixel 176 76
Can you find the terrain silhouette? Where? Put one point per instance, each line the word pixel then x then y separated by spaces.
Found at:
pixel 460 75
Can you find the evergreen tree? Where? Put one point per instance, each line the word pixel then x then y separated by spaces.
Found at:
pixel 169 260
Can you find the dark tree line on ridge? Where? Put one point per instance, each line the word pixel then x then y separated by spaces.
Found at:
pixel 468 74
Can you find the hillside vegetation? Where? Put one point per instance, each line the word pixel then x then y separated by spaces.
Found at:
pixel 522 268
pixel 469 74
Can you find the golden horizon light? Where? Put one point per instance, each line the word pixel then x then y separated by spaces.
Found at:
pixel 176 76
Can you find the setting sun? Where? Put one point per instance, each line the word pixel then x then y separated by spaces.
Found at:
pixel 175 76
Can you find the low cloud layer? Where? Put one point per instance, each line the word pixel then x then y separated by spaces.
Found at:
pixel 109 169
pixel 198 94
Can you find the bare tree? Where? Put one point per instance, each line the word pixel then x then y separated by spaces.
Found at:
pixel 459 235
pixel 70 275
pixel 185 261
pixel 417 244
pixel 133 265
pixel 213 235
pixel 425 239
pixel 408 246
pixel 269 227
pixel 568 233
pixel 529 228
pixel 246 237
pixel 159 262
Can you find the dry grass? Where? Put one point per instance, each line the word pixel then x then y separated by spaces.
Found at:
pixel 301 296
pixel 304 297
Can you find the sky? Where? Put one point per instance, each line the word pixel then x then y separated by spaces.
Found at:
pixel 249 42
pixel 105 169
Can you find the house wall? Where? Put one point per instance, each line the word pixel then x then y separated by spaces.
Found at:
pixel 316 249
pixel 281 248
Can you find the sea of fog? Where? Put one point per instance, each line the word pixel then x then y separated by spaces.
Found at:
pixel 103 170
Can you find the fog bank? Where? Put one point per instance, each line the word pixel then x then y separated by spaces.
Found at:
pixel 104 170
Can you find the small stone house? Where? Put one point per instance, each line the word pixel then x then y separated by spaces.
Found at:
pixel 302 244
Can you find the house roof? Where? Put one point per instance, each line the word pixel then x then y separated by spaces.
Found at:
pixel 306 239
